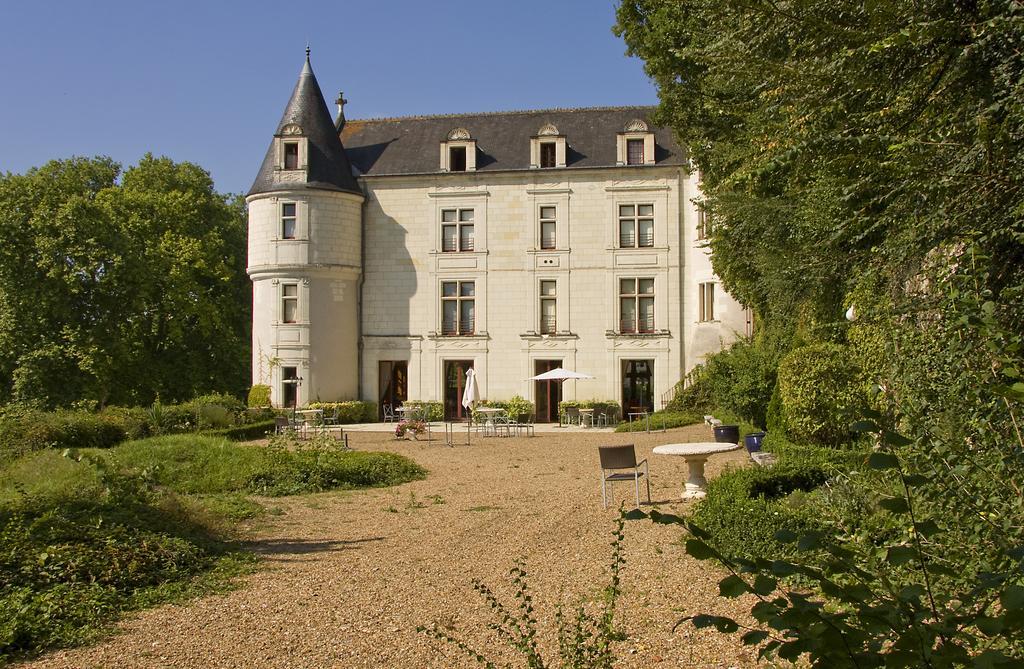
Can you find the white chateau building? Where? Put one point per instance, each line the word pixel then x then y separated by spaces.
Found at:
pixel 390 255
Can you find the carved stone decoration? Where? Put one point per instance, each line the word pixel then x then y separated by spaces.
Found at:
pixel 459 134
pixel 292 129
pixel 305 281
pixel 548 130
pixel 636 125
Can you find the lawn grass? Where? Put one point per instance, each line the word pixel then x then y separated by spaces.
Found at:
pixel 88 535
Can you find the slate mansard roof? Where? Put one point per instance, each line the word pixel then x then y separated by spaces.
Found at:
pixel 328 166
pixel 410 145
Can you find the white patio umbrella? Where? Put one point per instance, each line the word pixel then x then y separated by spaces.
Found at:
pixel 559 374
pixel 472 391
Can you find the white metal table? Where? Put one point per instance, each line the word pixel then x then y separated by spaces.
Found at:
pixel 696 455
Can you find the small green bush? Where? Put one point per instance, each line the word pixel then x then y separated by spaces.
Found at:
pixel 349 412
pixel 135 420
pixel 820 393
pixel 259 396
pixel 744 508
pixel 514 407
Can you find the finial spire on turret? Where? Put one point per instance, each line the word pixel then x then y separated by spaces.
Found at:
pixel 307 50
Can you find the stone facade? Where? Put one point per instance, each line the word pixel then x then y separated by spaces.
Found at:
pixel 393 292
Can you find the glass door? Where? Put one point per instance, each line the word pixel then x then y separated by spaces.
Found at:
pixel 454 386
pixel 392 380
pixel 547 393
pixel 637 386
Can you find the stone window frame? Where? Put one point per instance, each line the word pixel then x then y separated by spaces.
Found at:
pixel 458 298
pixel 636 129
pixel 458 138
pixel 459 224
pixel 636 217
pixel 547 134
pixel 284 299
pixel 284 217
pixel 542 221
pixel 291 134
pixel 706 306
pixel 542 299
pixel 636 296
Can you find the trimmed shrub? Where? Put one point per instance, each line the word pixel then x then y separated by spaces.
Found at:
pixel 259 396
pixel 515 406
pixel 820 393
pixel 609 407
pixel 246 432
pixel 659 419
pixel 135 420
pixel 434 410
pixel 745 507
pixel 349 412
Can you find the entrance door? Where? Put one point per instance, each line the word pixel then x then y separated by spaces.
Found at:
pixel 548 393
pixel 454 386
pixel 637 385
pixel 392 382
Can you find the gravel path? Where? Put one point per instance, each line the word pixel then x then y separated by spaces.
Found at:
pixel 349 576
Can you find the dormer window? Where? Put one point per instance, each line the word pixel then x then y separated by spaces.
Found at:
pixel 291 155
pixel 635 144
pixel 547 154
pixel 458 152
pixel 547 148
pixel 292 148
pixel 456 159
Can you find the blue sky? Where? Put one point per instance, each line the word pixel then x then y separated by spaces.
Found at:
pixel 207 81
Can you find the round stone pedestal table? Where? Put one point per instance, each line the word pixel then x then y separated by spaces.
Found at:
pixel 696 455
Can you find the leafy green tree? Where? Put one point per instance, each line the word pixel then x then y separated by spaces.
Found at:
pixel 119 287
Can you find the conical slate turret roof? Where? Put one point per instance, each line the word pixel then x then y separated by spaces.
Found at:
pixel 329 168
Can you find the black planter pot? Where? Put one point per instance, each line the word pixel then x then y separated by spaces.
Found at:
pixel 753 441
pixel 727 434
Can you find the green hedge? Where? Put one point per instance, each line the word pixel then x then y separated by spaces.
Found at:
pixel 820 393
pixel 744 508
pixel 433 410
pixel 244 432
pixel 514 407
pixel 609 407
pixel 659 419
pixel 348 412
pixel 24 430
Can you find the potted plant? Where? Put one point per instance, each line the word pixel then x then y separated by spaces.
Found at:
pixel 410 428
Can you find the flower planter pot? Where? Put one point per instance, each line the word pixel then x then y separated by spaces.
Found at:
pixel 753 441
pixel 727 434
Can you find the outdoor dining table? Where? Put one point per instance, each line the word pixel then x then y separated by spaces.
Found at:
pixel 311 418
pixel 695 454
pixel 587 414
pixel 490 413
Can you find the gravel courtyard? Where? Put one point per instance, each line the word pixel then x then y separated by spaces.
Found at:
pixel 348 576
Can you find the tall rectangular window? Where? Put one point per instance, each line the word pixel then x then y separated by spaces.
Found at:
pixel 457 232
pixel 636 225
pixel 547 228
pixel 547 154
pixel 548 307
pixel 457 159
pixel 289 303
pixel 636 305
pixel 703 223
pixel 458 307
pixel 706 302
pixel 291 155
pixel 634 152
pixel 289 386
pixel 287 220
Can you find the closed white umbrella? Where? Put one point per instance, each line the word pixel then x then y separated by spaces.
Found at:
pixel 559 374
pixel 472 391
